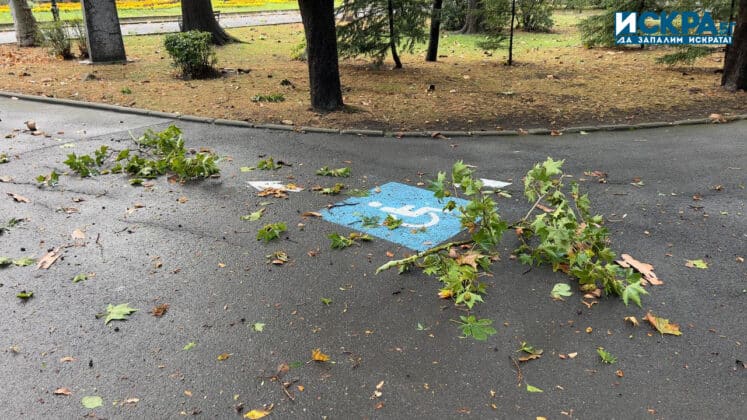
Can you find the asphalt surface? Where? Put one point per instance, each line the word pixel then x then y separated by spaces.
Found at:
pixel 186 246
pixel 159 27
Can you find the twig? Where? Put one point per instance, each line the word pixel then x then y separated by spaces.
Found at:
pixel 519 375
pixel 534 206
pixel 411 259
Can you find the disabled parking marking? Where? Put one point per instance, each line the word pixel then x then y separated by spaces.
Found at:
pixel 424 222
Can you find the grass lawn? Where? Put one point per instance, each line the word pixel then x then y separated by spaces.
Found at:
pixel 160 12
pixel 555 83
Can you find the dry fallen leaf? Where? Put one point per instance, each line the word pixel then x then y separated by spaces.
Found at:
pixel 646 270
pixel 67 359
pixel 717 118
pixel 48 259
pixel 182 200
pixel 31 124
pixel 274 192
pixel 258 413
pixel 572 355
pixel 318 356
pixel 223 356
pixel 633 320
pixel 663 325
pixel 529 357
pixel 311 214
pixel 619 373
pixel 469 259
pixel 131 401
pixel 62 391
pixel 160 310
pixel 78 234
pixel 19 198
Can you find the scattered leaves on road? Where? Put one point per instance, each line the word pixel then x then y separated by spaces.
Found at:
pixel 92 401
pixel 318 356
pixel 258 413
pixel 339 173
pixel 48 259
pixel 696 264
pixel 560 290
pixel 160 310
pixel 117 312
pixel 606 356
pixel 663 325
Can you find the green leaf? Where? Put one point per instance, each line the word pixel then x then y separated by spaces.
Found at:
pixel 268 164
pixel 333 190
pixel 5 261
pixel 91 402
pixel 295 365
pixel 271 231
pixel 355 192
pixel 339 173
pixel 25 295
pixel 632 292
pixel 80 277
pixel 697 264
pixel 531 388
pixel 247 168
pixel 606 356
pixel 23 262
pixel 119 312
pixel 338 241
pixel 258 327
pixel 478 329
pixel 326 301
pixel 559 290
pixel 370 221
pixel 189 346
pixel 254 216
pixel 391 222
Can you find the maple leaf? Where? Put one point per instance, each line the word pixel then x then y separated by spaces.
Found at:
pixel 318 356
pixel 645 269
pixel 663 325
pixel 92 401
pixel 254 216
pixel 560 290
pixel 468 259
pixel 118 313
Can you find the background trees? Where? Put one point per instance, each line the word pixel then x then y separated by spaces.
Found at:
pixel 377 26
pixel 735 63
pixel 321 45
pixel 24 23
pixel 197 15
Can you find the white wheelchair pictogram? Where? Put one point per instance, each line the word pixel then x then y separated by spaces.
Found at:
pixel 408 212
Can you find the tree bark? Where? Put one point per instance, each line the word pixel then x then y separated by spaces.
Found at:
pixel 473 19
pixel 318 18
pixel 197 15
pixel 393 36
pixel 24 23
pixel 432 54
pixel 735 63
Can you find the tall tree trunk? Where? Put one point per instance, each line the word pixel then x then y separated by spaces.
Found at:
pixel 318 18
pixel 197 15
pixel 24 23
pixel 735 63
pixel 432 54
pixel 473 19
pixel 393 36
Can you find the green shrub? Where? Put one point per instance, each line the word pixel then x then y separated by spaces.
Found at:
pixel 535 15
pixel 192 53
pixel 78 32
pixel 299 51
pixel 55 38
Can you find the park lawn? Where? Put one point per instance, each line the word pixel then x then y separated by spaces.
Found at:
pixel 5 17
pixel 555 83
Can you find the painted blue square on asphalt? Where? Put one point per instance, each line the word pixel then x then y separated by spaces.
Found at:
pixel 424 223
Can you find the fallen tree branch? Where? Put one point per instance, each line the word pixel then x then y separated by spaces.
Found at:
pixel 411 259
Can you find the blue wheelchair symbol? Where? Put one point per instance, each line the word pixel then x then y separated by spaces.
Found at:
pixel 424 221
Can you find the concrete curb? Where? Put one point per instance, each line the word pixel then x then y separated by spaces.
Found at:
pixel 366 132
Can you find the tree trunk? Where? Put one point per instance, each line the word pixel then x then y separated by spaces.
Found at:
pixel 318 18
pixel 473 19
pixel 24 23
pixel 393 36
pixel 432 54
pixel 197 15
pixel 735 63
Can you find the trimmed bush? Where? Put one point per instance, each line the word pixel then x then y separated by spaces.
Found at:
pixel 193 53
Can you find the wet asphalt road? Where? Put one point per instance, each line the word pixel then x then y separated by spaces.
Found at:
pixel 186 246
